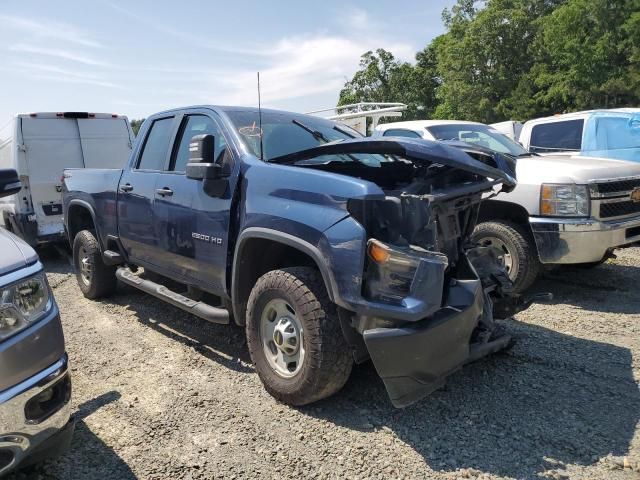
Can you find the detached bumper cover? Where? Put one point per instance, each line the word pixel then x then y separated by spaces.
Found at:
pixel 415 359
pixel 566 241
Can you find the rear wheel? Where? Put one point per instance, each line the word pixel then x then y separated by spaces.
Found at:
pixel 295 338
pixel 95 279
pixel 519 253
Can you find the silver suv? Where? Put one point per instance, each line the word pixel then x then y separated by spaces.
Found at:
pixel 35 386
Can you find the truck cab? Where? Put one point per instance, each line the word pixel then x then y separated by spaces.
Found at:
pixel 612 133
pixel 327 247
pixel 566 209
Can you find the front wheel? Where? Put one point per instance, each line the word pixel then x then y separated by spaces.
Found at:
pixel 519 254
pixel 294 337
pixel 95 279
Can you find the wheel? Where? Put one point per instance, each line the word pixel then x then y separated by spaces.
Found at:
pixel 294 337
pixel 520 257
pixel 96 280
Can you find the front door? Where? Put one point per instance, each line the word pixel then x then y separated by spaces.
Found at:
pixel 191 226
pixel 137 192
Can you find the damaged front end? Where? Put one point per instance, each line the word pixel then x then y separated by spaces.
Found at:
pixel 430 298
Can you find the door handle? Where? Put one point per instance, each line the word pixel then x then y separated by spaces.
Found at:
pixel 127 187
pixel 165 192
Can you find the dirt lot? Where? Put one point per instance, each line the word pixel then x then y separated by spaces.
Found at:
pixel 160 394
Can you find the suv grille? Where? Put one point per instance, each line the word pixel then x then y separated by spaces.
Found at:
pixel 617 186
pixel 617 209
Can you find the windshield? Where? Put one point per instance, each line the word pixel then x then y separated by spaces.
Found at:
pixel 284 133
pixel 481 135
pixel 612 135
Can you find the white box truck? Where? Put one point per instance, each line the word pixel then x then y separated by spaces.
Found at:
pixel 40 146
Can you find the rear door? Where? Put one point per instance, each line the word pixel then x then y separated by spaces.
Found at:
pixel 191 226
pixel 105 142
pixel 136 194
pixel 52 144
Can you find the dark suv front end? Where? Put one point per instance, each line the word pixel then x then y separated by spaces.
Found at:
pixel 35 385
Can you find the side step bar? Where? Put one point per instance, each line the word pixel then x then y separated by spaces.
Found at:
pixel 199 309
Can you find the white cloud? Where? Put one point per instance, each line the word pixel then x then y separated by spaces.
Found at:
pixel 58 53
pixel 299 67
pixel 59 74
pixel 48 30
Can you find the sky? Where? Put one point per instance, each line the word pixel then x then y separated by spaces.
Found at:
pixel 137 58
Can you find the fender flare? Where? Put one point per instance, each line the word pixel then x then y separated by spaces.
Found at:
pixel 87 206
pixel 281 237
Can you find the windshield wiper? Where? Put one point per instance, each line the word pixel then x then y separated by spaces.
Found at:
pixel 316 134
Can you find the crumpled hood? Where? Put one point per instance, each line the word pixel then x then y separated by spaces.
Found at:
pixel 417 150
pixel 573 169
pixel 16 253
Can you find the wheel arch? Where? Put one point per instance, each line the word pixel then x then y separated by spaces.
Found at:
pixel 500 210
pixel 80 215
pixel 260 250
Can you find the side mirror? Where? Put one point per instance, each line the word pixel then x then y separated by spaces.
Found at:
pixel 202 165
pixel 9 182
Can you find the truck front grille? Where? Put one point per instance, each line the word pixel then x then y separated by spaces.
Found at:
pixel 617 186
pixel 618 209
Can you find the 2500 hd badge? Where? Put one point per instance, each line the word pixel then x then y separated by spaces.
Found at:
pixel 207 238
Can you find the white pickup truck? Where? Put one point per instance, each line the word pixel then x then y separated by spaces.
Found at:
pixel 566 209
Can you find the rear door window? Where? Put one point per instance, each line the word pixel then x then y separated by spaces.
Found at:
pixel 400 132
pixel 156 145
pixel 557 136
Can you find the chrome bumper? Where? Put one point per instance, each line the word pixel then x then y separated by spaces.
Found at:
pixel 581 240
pixel 21 436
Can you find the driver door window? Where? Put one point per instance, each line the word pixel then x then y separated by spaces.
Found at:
pixel 197 125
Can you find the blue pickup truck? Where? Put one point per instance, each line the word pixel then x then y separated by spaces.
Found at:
pixel 329 248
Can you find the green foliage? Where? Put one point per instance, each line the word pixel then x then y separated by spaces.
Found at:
pixel 513 59
pixel 136 124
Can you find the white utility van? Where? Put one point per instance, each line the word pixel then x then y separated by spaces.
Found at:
pixel 40 146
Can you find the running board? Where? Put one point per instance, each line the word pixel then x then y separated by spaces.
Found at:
pixel 199 309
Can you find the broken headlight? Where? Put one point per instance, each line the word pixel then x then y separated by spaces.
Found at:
pixel 564 200
pixel 392 272
pixel 22 304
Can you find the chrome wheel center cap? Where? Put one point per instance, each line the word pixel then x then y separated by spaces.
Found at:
pixel 286 336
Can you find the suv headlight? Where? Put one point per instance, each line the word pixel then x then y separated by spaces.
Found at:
pixel 564 200
pixel 23 303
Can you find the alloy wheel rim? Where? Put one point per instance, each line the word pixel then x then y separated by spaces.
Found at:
pixel 282 338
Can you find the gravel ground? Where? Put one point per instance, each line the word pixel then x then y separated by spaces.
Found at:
pixel 162 395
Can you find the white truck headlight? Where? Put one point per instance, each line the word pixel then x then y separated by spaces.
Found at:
pixel 564 200
pixel 23 303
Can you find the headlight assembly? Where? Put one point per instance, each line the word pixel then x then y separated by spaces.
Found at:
pixel 564 200
pixel 23 303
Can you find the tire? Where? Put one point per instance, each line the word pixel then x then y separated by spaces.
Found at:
pixel 96 280
pixel 517 242
pixel 324 366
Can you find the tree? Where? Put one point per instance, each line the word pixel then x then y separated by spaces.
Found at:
pixel 588 56
pixel 382 78
pixel 513 59
pixel 484 55
pixel 136 124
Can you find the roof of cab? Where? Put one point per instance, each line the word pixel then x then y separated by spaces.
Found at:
pixel 580 114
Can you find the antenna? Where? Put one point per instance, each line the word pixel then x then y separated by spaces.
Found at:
pixel 260 119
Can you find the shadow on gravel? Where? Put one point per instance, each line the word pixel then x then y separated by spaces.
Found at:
pixel 553 398
pixel 224 344
pixel 594 289
pixel 88 458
